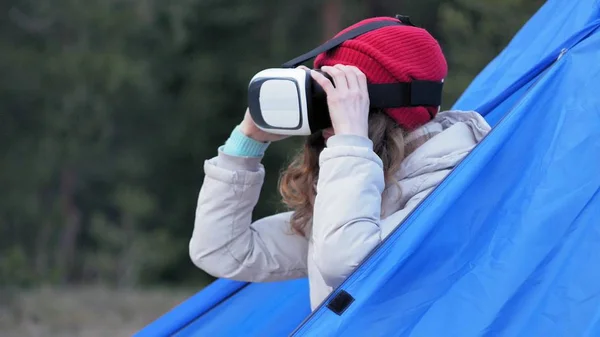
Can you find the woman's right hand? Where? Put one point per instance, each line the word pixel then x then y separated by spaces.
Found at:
pixel 250 129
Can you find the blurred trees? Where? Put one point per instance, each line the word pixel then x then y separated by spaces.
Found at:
pixel 109 108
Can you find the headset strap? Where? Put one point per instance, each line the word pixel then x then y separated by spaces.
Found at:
pixel 339 40
pixel 415 93
pixel 405 94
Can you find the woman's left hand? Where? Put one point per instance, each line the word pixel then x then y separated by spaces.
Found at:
pixel 348 100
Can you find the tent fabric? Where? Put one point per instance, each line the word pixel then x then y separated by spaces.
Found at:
pixel 506 245
pixel 278 308
pixel 556 26
pixel 179 317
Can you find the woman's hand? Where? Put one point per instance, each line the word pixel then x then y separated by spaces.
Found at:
pixel 348 100
pixel 250 129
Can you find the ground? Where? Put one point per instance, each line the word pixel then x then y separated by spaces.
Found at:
pixel 83 312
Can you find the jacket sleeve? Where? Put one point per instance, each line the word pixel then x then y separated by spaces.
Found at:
pixel 347 214
pixel 225 243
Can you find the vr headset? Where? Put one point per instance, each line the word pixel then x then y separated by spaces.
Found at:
pixel 287 101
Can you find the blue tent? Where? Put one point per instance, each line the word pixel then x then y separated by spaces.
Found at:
pixel 506 245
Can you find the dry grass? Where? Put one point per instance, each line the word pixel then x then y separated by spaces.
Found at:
pixel 83 312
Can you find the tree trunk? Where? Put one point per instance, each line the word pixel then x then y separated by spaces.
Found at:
pixel 127 266
pixel 42 250
pixel 332 18
pixel 72 227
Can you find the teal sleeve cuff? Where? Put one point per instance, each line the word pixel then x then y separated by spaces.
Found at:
pixel 241 145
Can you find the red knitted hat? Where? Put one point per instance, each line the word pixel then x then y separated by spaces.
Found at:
pixel 389 55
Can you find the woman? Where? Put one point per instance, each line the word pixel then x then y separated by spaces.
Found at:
pixel 351 185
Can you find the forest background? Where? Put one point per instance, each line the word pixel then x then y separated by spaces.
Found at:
pixel 108 109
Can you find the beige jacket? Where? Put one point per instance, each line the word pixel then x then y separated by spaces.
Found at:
pixel 354 210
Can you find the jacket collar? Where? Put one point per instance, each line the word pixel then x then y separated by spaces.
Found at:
pixel 456 133
pixel 453 135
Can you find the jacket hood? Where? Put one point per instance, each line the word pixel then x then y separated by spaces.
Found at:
pixel 456 134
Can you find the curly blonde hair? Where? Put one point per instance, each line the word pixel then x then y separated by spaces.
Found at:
pixel 298 183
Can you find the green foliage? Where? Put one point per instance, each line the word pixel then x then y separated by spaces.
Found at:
pixel 108 110
pixel 474 32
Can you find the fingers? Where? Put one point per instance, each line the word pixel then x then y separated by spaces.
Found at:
pixel 350 75
pixel 345 78
pixel 323 81
pixel 361 79
pixel 338 76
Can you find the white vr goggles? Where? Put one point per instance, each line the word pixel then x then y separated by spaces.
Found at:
pixel 287 101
